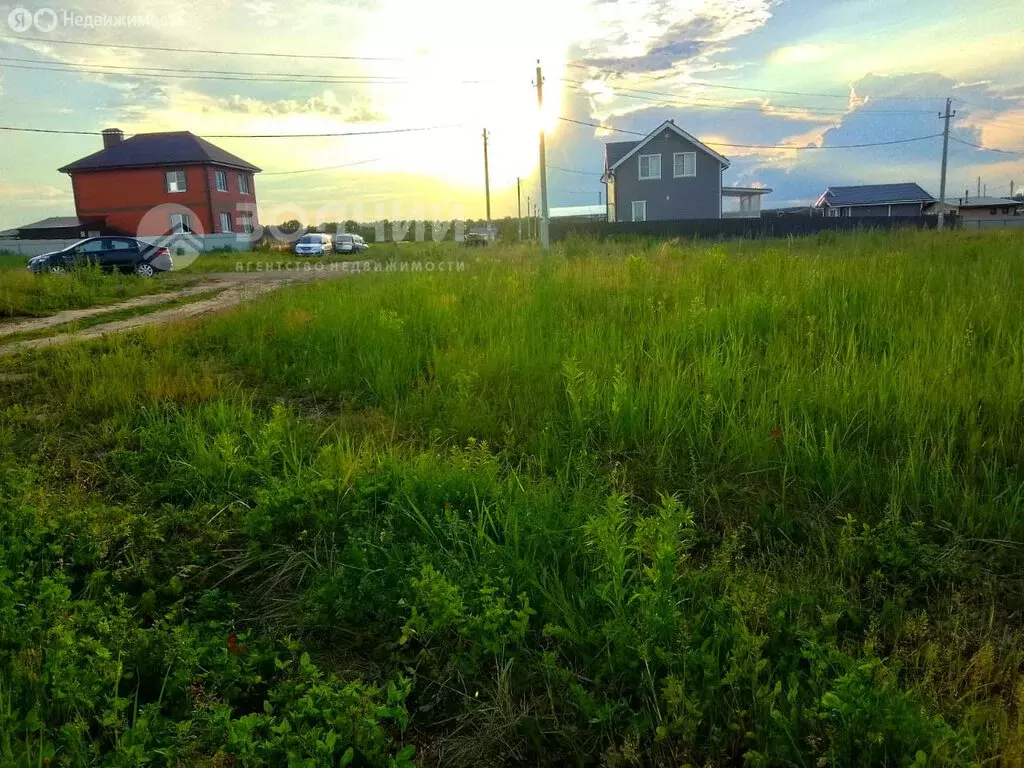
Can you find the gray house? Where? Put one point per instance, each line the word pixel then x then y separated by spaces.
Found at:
pixel 988 207
pixel 670 175
pixel 906 199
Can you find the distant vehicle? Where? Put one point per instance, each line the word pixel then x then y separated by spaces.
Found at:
pixel 480 236
pixel 346 243
pixel 110 254
pixel 314 245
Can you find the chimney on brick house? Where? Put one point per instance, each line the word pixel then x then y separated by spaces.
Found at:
pixel 112 136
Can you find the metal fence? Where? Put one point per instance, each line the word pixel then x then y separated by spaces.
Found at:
pixel 28 248
pixel 1010 223
pixel 781 226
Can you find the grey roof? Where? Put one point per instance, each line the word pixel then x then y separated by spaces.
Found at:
pixel 58 222
pixel 616 150
pixel 874 194
pixel 669 125
pixel 987 202
pixel 149 149
pixel 738 191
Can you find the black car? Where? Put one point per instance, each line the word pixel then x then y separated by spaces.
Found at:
pixel 122 254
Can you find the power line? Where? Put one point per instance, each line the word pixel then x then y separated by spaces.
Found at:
pixel 188 74
pixel 328 168
pixel 564 119
pixel 766 146
pixel 53 41
pixel 832 146
pixel 987 149
pixel 572 170
pixel 599 125
pixel 251 136
pixel 664 97
pixel 716 85
pixel 709 84
pixel 990 119
pixel 52 63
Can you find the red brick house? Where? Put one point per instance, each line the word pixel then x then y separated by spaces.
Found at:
pixel 125 180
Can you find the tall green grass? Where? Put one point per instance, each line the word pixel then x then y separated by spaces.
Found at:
pixel 634 503
pixel 23 294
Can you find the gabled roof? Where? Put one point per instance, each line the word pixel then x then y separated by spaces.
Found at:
pixel 159 149
pixel 59 222
pixel 988 202
pixel 616 150
pixel 873 194
pixel 742 191
pixel 668 125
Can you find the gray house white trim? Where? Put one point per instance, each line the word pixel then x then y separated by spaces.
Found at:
pixel 668 175
pixel 668 124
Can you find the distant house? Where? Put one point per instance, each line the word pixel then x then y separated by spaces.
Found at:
pixel 988 207
pixel 792 210
pixel 579 213
pixel 670 175
pixel 59 228
pixel 906 199
pixel 213 191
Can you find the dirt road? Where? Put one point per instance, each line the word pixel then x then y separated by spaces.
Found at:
pixel 230 289
pixel 73 315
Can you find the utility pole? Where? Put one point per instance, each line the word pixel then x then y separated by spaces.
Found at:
pixel 544 241
pixel 519 207
pixel 529 218
pixel 1011 188
pixel 487 181
pixel 945 155
pixel 979 186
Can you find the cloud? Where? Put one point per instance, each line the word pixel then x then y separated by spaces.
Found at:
pixel 638 37
pixel 33 196
pixel 805 53
pixel 324 104
pixel 881 109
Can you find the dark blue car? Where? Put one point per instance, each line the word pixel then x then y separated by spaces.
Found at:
pixel 120 254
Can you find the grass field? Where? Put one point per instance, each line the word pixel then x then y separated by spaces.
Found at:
pixel 640 503
pixel 23 294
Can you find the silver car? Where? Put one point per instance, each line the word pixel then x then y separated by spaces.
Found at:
pixel 314 245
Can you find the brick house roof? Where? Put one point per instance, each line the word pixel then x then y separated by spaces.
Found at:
pixel 159 149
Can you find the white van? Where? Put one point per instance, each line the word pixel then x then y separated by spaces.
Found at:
pixel 314 245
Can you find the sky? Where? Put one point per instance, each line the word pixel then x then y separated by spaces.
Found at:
pixel 785 75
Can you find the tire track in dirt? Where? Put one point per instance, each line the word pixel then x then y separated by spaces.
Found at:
pixel 72 315
pixel 230 297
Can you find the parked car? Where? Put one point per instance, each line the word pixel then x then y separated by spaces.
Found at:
pixel 345 243
pixel 314 245
pixel 120 254
pixel 480 236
